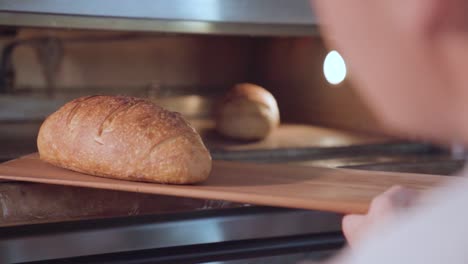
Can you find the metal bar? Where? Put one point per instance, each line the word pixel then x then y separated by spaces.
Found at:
pixel 66 240
pixel 296 154
pixel 225 251
pixel 292 12
pixel 154 25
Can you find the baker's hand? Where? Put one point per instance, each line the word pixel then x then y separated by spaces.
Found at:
pixel 381 208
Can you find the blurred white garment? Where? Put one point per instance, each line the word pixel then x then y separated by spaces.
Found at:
pixel 436 231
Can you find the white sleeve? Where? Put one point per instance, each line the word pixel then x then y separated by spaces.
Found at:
pixel 435 232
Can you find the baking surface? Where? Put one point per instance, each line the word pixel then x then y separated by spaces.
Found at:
pixel 34 203
pixel 287 136
pixel 335 190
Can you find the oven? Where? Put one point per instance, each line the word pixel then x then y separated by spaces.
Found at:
pixel 184 55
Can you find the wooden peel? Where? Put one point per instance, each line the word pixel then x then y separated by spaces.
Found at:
pixel 334 190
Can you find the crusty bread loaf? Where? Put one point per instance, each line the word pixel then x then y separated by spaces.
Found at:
pixel 247 112
pixel 125 138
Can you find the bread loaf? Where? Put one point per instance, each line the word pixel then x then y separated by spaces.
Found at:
pixel 125 138
pixel 247 112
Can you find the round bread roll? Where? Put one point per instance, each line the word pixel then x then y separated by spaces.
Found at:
pixel 125 138
pixel 248 112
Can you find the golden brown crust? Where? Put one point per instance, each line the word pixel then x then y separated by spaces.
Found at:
pixel 247 112
pixel 252 93
pixel 126 138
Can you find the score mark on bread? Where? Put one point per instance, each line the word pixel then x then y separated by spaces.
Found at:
pixel 125 138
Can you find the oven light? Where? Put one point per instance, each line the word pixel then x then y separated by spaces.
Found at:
pixel 334 68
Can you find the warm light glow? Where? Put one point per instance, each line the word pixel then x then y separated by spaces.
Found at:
pixel 334 68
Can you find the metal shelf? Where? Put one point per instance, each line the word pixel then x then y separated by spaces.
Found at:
pixel 232 17
pixel 110 236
